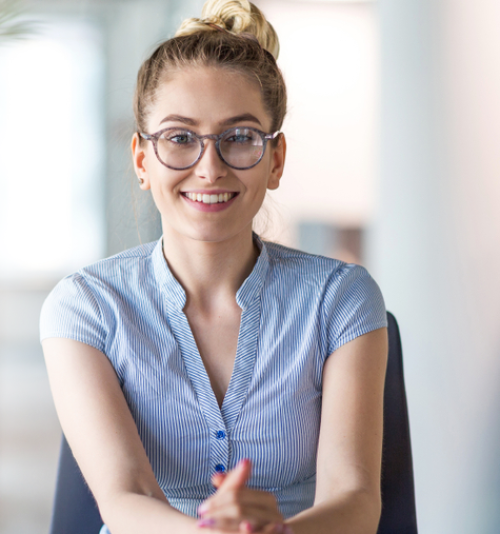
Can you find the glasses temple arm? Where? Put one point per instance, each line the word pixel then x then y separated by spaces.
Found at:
pixel 273 135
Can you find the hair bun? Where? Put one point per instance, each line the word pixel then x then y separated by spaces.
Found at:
pixel 237 17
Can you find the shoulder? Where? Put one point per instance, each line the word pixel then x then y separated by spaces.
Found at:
pixel 347 300
pixel 298 261
pixel 121 272
pixel 125 263
pixel 82 301
pixel 312 269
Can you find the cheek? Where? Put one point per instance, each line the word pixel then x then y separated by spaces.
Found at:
pixel 165 186
pixel 256 191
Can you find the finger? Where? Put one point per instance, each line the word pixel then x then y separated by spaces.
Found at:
pixel 245 498
pixel 233 516
pixel 227 525
pixel 278 528
pixel 269 528
pixel 237 477
pixel 218 479
pixel 243 527
pixel 241 503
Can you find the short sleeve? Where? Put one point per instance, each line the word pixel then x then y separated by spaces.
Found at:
pixel 352 306
pixel 71 311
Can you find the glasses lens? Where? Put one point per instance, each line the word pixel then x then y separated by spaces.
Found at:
pixel 242 147
pixel 178 148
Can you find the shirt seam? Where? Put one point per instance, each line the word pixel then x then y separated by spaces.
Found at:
pixel 95 297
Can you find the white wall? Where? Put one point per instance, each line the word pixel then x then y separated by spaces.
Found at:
pixel 329 57
pixel 435 247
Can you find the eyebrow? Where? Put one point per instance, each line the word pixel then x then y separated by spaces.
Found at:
pixel 179 118
pixel 227 122
pixel 241 118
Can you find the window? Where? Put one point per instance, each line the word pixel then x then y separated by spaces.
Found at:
pixel 52 145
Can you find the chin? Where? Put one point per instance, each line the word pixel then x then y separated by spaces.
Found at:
pixel 218 235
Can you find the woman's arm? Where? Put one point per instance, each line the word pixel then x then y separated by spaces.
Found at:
pixel 350 442
pixel 105 442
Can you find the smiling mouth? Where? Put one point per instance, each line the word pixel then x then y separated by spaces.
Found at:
pixel 210 199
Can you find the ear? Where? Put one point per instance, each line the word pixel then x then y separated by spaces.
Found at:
pixel 278 163
pixel 139 159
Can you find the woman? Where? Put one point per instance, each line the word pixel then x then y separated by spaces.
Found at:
pixel 212 380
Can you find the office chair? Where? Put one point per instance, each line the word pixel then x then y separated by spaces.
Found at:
pixel 75 511
pixel 399 514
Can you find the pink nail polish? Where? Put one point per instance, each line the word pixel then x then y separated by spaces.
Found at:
pixel 202 509
pixel 205 523
pixel 247 526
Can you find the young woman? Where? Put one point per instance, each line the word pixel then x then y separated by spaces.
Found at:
pixel 214 381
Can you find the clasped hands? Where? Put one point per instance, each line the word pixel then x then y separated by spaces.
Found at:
pixel 237 508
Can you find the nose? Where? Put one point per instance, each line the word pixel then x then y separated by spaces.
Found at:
pixel 210 167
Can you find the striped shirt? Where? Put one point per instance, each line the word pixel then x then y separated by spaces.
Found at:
pixel 297 309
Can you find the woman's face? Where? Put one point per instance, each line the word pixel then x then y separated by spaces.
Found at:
pixel 208 100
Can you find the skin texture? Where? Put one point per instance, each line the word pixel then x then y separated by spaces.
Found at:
pixel 211 254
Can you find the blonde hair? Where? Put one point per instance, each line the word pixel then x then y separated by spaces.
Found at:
pixel 232 34
pixel 236 17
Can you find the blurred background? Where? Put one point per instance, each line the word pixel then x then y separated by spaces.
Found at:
pixel 393 162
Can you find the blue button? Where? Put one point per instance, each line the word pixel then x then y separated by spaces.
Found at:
pixel 220 468
pixel 220 434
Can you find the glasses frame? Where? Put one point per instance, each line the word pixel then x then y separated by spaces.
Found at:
pixel 217 138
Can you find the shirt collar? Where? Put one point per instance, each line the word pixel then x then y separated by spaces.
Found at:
pixel 252 286
pixel 249 290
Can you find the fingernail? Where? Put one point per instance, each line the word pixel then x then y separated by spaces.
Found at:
pixel 247 526
pixel 202 509
pixel 205 523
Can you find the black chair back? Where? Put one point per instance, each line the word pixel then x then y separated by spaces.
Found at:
pixel 75 510
pixel 398 491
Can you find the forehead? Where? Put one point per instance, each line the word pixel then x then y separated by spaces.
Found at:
pixel 209 96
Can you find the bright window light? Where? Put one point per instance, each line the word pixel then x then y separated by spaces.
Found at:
pixel 51 134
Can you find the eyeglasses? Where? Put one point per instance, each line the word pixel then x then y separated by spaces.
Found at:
pixel 239 148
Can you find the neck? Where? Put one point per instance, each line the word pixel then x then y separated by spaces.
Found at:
pixel 210 272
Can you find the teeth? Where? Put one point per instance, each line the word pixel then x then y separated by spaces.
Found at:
pixel 210 199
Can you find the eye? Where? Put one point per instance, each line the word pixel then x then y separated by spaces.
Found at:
pixel 241 136
pixel 179 137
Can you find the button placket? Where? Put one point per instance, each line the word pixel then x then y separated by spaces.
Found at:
pixel 220 450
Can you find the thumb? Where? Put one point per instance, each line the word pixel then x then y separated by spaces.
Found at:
pixel 237 477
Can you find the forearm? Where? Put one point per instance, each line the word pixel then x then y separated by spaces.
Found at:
pixel 130 513
pixel 356 512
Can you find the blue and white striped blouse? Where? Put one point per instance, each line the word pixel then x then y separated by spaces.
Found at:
pixel 296 310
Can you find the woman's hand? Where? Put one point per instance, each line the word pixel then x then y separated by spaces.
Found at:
pixel 237 508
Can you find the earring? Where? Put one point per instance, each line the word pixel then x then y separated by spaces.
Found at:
pixel 141 180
